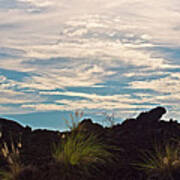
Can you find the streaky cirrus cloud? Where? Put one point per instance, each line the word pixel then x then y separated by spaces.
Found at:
pixel 59 55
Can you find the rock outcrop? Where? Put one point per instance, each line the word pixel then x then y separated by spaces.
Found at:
pixel 152 116
pixel 129 138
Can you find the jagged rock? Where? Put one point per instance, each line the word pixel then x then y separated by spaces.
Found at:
pixel 152 116
pixel 10 125
pixel 131 137
pixel 129 123
pixel 10 130
pixel 88 126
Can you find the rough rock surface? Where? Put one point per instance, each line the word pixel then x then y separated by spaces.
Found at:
pixel 132 136
pixel 153 115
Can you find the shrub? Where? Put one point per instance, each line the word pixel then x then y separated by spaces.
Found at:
pixel 11 154
pixel 161 163
pixel 74 120
pixel 81 151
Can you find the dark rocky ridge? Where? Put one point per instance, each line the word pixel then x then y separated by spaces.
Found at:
pixel 131 136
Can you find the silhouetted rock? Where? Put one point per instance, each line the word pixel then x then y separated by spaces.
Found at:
pixel 88 126
pixel 10 125
pixel 130 138
pixel 129 123
pixel 153 115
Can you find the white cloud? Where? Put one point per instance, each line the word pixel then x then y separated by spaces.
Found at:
pixel 82 75
pixel 117 102
pixel 107 102
pixel 70 105
pixel 42 107
pixel 162 85
pixel 93 37
pixel 176 75
pixel 40 3
pixel 98 44
pixel 95 97
pixel 9 95
pixel 7 110
pixel 145 74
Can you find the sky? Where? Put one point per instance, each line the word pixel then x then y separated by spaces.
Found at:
pixel 101 57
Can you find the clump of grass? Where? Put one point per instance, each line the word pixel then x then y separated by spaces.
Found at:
pixel 81 151
pixel 162 162
pixel 74 120
pixel 11 154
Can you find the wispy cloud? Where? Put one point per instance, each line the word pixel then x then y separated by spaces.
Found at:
pixel 91 50
pixel 169 84
pixel 88 101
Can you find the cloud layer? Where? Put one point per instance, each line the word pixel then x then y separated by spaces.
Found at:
pixel 92 55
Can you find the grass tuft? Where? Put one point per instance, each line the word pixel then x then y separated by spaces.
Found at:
pixel 11 154
pixel 81 151
pixel 162 162
pixel 74 120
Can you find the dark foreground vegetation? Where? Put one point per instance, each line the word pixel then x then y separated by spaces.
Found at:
pixel 144 148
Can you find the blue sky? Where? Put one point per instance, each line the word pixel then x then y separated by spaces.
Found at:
pixel 96 56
